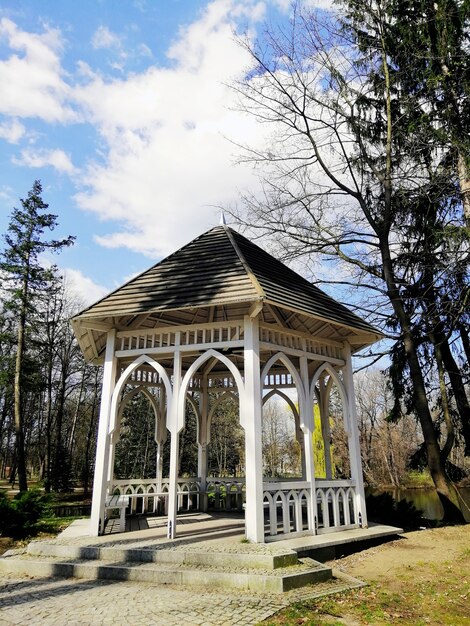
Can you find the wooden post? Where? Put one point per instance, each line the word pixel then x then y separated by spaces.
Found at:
pixel 174 428
pixel 325 424
pixel 160 438
pixel 251 420
pixel 103 441
pixel 354 444
pixel 202 443
pixel 306 422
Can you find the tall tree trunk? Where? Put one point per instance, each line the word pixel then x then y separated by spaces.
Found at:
pixel 48 463
pixel 19 426
pixel 444 487
pixel 76 414
pixel 463 331
pixel 60 471
pixel 458 388
pixel 91 429
pixel 449 443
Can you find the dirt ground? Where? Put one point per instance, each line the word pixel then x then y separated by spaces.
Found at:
pixel 430 546
pixel 422 578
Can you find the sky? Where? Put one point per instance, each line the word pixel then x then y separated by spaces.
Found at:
pixel 123 110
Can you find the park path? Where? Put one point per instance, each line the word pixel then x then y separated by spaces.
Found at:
pixel 56 602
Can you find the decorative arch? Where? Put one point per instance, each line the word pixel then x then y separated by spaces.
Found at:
pixel 122 381
pixel 194 405
pixel 295 412
pixel 211 353
pixel 226 394
pixel 128 397
pixel 284 396
pixel 326 367
pixel 280 356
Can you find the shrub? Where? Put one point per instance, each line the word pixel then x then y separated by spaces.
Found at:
pixel 19 516
pixel 9 516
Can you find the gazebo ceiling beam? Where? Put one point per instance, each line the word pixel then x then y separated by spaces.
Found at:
pixel 91 324
pixel 276 313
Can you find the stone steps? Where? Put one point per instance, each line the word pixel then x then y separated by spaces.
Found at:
pixel 275 580
pixel 180 556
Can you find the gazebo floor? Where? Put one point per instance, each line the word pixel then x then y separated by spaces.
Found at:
pixel 219 529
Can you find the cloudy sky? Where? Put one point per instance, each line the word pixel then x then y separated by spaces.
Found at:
pixel 122 110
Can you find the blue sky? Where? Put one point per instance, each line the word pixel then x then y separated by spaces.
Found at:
pixel 121 109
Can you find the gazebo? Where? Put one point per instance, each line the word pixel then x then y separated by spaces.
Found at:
pixel 222 315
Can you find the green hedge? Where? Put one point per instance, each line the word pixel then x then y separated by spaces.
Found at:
pixel 19 516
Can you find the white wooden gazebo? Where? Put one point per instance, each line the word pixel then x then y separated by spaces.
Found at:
pixel 222 314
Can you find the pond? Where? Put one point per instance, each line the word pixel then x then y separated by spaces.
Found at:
pixel 427 500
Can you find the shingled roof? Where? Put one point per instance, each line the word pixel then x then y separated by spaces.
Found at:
pixel 221 267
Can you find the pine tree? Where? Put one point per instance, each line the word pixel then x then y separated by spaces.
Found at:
pixel 25 281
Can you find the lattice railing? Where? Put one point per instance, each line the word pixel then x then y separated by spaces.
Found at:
pixel 164 339
pixel 145 497
pixel 225 494
pixel 287 504
pixel 336 505
pixel 287 508
pixel 298 342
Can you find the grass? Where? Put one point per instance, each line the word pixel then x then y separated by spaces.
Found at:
pixel 417 479
pixel 428 593
pixel 53 525
pixel 45 528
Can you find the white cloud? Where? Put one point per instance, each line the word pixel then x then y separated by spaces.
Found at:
pixel 83 288
pixel 163 160
pixel 167 161
pixel 12 131
pixel 57 159
pixel 31 78
pixel 105 38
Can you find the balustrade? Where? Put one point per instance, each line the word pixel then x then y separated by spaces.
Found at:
pixel 336 505
pixel 297 343
pixel 287 504
pixel 287 508
pixel 164 340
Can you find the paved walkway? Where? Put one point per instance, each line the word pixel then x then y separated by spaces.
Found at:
pixel 28 601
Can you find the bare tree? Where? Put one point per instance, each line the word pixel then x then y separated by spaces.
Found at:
pixel 281 451
pixel 345 178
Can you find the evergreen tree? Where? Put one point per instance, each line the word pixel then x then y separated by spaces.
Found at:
pixel 25 282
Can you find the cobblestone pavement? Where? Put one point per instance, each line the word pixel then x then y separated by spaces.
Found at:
pixel 71 602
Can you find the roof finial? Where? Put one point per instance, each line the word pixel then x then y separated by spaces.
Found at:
pixel 222 221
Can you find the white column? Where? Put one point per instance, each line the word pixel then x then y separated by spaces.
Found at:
pixel 324 404
pixel 174 429
pixel 113 439
pixel 306 422
pixel 160 438
pixel 202 443
pixel 251 421
pixel 354 444
pixel 103 441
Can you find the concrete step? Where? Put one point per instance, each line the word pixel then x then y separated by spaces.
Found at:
pixel 304 572
pixel 179 556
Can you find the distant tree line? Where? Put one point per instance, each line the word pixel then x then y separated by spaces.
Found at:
pixel 49 397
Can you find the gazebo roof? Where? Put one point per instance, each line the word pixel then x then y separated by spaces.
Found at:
pixel 219 268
